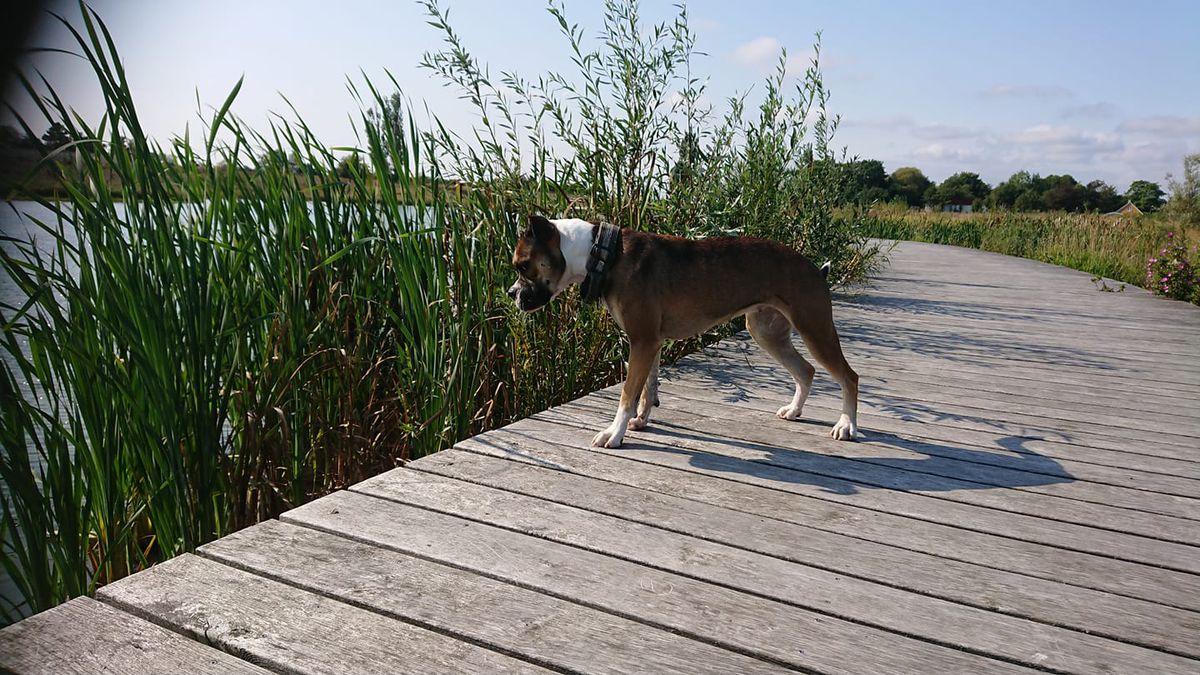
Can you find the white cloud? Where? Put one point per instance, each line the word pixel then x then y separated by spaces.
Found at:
pixel 1170 126
pixel 1100 110
pixel 885 122
pixel 762 55
pixel 1063 144
pixel 705 24
pixel 759 52
pixel 940 152
pixel 1037 91
pixel 904 124
pixel 943 132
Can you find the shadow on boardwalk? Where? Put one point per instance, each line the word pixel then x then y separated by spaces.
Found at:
pixel 955 346
pixel 932 468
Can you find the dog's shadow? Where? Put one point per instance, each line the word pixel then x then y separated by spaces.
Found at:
pixel 934 467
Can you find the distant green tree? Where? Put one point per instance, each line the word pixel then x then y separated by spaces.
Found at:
pixel 1102 197
pixel 909 184
pixel 964 187
pixel 1145 195
pixel 1030 200
pixel 1185 191
pixel 865 181
pixel 1006 194
pixel 349 165
pixel 1064 194
pixel 277 158
pixel 387 121
pixel 56 136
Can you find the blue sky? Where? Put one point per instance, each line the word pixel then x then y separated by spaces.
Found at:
pixel 1105 90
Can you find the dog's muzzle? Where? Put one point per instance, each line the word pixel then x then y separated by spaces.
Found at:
pixel 529 297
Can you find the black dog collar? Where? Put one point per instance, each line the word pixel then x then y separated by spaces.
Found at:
pixel 606 243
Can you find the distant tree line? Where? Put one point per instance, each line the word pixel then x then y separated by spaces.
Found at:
pixel 867 182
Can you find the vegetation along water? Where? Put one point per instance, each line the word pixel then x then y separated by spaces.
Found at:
pixel 214 329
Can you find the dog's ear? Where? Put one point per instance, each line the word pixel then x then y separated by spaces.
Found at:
pixel 542 229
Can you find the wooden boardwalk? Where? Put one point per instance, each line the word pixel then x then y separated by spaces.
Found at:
pixel 1026 496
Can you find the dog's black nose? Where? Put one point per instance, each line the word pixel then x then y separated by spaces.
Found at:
pixel 512 293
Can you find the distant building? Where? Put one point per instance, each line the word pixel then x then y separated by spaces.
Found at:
pixel 1130 209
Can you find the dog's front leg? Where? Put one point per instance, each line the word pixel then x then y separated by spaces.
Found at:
pixel 642 355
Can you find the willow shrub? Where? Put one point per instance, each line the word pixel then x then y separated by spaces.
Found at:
pixel 227 326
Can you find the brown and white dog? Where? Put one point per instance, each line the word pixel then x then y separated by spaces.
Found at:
pixel 658 287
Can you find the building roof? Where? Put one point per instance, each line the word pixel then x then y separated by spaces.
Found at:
pixel 1130 209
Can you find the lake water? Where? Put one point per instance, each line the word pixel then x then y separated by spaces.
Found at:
pixel 16 223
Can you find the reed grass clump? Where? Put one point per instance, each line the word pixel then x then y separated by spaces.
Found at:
pixel 1108 246
pixel 223 327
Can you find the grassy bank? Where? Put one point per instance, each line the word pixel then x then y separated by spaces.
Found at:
pixel 223 345
pixel 1108 246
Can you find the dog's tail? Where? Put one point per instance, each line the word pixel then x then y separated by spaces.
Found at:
pixel 825 269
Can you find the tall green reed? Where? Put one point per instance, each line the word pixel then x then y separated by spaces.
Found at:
pixel 236 322
pixel 231 336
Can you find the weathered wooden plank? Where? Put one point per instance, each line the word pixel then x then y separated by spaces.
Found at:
pixel 722 483
pixel 507 618
pixel 731 375
pixel 289 629
pixel 947 385
pixel 859 320
pixel 886 307
pixel 1029 316
pixel 811 588
pixel 933 431
pixel 749 369
pixel 929 353
pixel 988 365
pixel 707 612
pixel 779 465
pixel 743 378
pixel 944 346
pixel 1119 618
pixel 89 638
pixel 1052 478
pixel 782 445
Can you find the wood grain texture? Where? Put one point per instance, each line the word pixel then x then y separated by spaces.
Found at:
pixel 288 629
pixel 1104 614
pixel 1050 477
pixel 728 483
pixel 707 612
pixel 903 490
pixel 508 618
pixel 807 587
pixel 86 637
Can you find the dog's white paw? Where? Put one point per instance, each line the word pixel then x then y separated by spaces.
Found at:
pixel 789 412
pixel 844 430
pixel 637 424
pixel 607 439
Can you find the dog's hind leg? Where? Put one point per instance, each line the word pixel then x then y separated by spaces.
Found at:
pixel 642 353
pixel 649 397
pixel 772 331
pixel 821 338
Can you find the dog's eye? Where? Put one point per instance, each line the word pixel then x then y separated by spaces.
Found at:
pixel 523 268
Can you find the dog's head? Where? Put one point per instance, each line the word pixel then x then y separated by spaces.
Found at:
pixel 539 263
